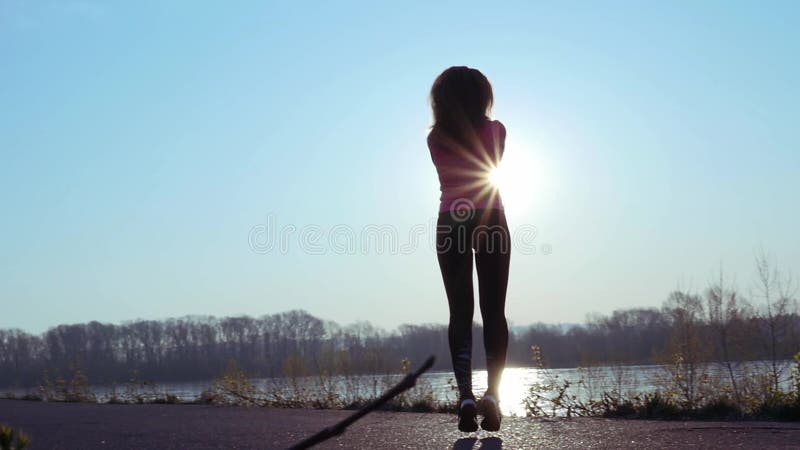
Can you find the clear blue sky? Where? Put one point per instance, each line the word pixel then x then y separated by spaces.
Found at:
pixel 142 141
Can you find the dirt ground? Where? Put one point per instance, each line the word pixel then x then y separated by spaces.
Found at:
pixel 92 426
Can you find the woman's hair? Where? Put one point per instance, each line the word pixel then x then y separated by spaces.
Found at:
pixel 461 98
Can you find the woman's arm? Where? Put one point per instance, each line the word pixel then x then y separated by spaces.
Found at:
pixel 499 137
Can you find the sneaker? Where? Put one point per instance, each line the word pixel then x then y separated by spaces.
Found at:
pixel 468 416
pixel 491 413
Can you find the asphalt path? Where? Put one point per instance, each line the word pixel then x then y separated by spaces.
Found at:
pixel 103 426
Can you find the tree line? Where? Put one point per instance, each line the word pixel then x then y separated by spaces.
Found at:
pixel 716 325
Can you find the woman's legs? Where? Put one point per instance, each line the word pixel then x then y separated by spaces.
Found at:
pixel 492 259
pixel 488 233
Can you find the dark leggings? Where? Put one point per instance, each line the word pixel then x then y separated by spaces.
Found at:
pixel 486 233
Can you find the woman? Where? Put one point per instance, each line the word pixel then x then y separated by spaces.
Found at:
pixel 466 146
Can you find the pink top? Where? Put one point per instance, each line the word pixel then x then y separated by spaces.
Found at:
pixel 464 171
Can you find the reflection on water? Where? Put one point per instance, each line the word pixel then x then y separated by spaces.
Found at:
pixel 586 383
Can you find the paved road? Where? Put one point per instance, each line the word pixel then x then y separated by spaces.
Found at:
pixel 90 426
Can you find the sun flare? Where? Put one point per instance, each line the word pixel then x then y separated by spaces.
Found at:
pixel 495 177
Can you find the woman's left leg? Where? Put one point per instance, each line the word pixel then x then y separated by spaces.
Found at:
pixel 455 262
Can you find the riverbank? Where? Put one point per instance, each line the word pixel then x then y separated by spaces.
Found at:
pixel 105 426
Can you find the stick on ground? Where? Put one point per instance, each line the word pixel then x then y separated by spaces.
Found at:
pixel 334 430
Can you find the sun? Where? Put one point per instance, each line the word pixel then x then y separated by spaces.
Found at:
pixel 495 177
pixel 519 179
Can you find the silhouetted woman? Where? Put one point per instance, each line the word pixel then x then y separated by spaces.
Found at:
pixel 466 146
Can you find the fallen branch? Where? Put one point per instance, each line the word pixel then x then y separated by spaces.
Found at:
pixel 334 430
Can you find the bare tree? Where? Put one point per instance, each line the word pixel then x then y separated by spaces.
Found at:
pixel 687 351
pixel 725 319
pixel 775 291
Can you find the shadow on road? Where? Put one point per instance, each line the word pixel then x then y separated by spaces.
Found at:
pixel 488 443
pixel 465 443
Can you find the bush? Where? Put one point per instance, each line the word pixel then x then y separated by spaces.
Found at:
pixel 74 389
pixel 657 406
pixel 7 439
pixel 780 405
pixel 719 408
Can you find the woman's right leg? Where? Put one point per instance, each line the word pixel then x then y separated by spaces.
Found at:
pixel 492 251
pixel 492 259
pixel 455 261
